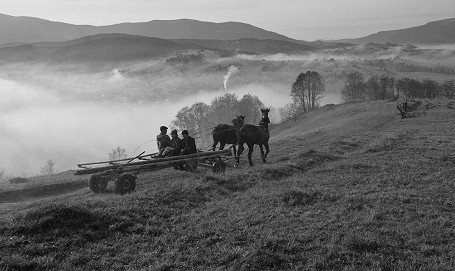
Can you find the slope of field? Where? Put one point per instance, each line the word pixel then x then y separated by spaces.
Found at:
pixel 346 187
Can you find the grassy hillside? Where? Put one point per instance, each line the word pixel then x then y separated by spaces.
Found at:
pixel 346 187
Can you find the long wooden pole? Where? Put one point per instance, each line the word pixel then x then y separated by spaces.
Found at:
pixel 140 156
pixel 201 155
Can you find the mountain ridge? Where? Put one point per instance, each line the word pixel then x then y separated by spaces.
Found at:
pixel 99 47
pixel 434 32
pixel 30 29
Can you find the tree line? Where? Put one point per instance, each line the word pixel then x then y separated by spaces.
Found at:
pixel 409 67
pixel 200 118
pixel 185 58
pixel 388 87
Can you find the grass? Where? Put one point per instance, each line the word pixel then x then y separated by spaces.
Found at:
pixel 358 189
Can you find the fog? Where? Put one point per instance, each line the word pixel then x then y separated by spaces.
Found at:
pixel 39 125
pixel 436 54
pixel 75 113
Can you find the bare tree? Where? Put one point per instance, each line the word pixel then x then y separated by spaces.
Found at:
pixel 290 110
pixel 448 89
pixel 431 88
pixel 201 118
pixel 306 90
pixel 250 106
pixel 224 107
pixel 48 168
pixel 354 87
pixel 117 154
pixel 403 87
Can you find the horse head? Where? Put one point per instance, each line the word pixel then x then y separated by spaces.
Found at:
pixel 239 121
pixel 265 118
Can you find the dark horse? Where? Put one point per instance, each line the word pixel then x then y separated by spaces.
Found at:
pixel 227 134
pixel 252 134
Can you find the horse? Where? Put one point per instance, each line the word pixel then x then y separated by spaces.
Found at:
pixel 252 134
pixel 227 134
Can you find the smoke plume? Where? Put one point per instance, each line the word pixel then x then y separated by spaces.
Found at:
pixel 231 70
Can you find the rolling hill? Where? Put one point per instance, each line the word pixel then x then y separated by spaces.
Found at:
pixel 346 187
pixel 436 32
pixel 118 47
pixel 100 47
pixel 250 45
pixel 30 30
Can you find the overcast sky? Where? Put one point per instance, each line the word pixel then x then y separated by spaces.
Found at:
pixel 299 19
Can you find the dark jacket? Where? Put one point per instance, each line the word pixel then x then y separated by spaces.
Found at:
pixel 188 145
pixel 162 142
pixel 175 143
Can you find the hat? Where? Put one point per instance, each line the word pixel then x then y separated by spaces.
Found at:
pixel 174 132
pixel 184 132
pixel 163 128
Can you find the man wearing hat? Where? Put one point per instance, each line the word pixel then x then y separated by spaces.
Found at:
pixel 188 144
pixel 162 140
pixel 175 145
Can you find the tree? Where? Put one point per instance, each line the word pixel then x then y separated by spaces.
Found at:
pixel 381 87
pixel 289 111
pixel 184 119
pixel 373 88
pixel 415 87
pixel 386 85
pixel 201 115
pixel 201 118
pixel 403 86
pixel 250 107
pixel 48 168
pixel 431 88
pixel 448 89
pixel 117 154
pixel 195 119
pixel 354 87
pixel 306 90
pixel 224 107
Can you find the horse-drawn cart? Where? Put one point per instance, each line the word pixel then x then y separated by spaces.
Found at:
pixel 124 172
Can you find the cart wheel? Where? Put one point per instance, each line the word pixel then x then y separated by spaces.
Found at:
pixel 219 166
pixel 98 183
pixel 191 165
pixel 103 183
pixel 125 184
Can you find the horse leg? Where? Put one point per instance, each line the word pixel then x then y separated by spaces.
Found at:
pixel 214 145
pixel 267 150
pixel 262 153
pixel 250 151
pixel 235 149
pixel 222 144
pixel 237 158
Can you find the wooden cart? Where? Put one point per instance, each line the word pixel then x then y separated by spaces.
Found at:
pixel 124 172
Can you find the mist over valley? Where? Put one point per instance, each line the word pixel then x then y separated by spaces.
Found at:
pixel 339 153
pixel 73 101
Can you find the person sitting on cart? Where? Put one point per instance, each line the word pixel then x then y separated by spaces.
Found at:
pixel 188 144
pixel 175 145
pixel 162 141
